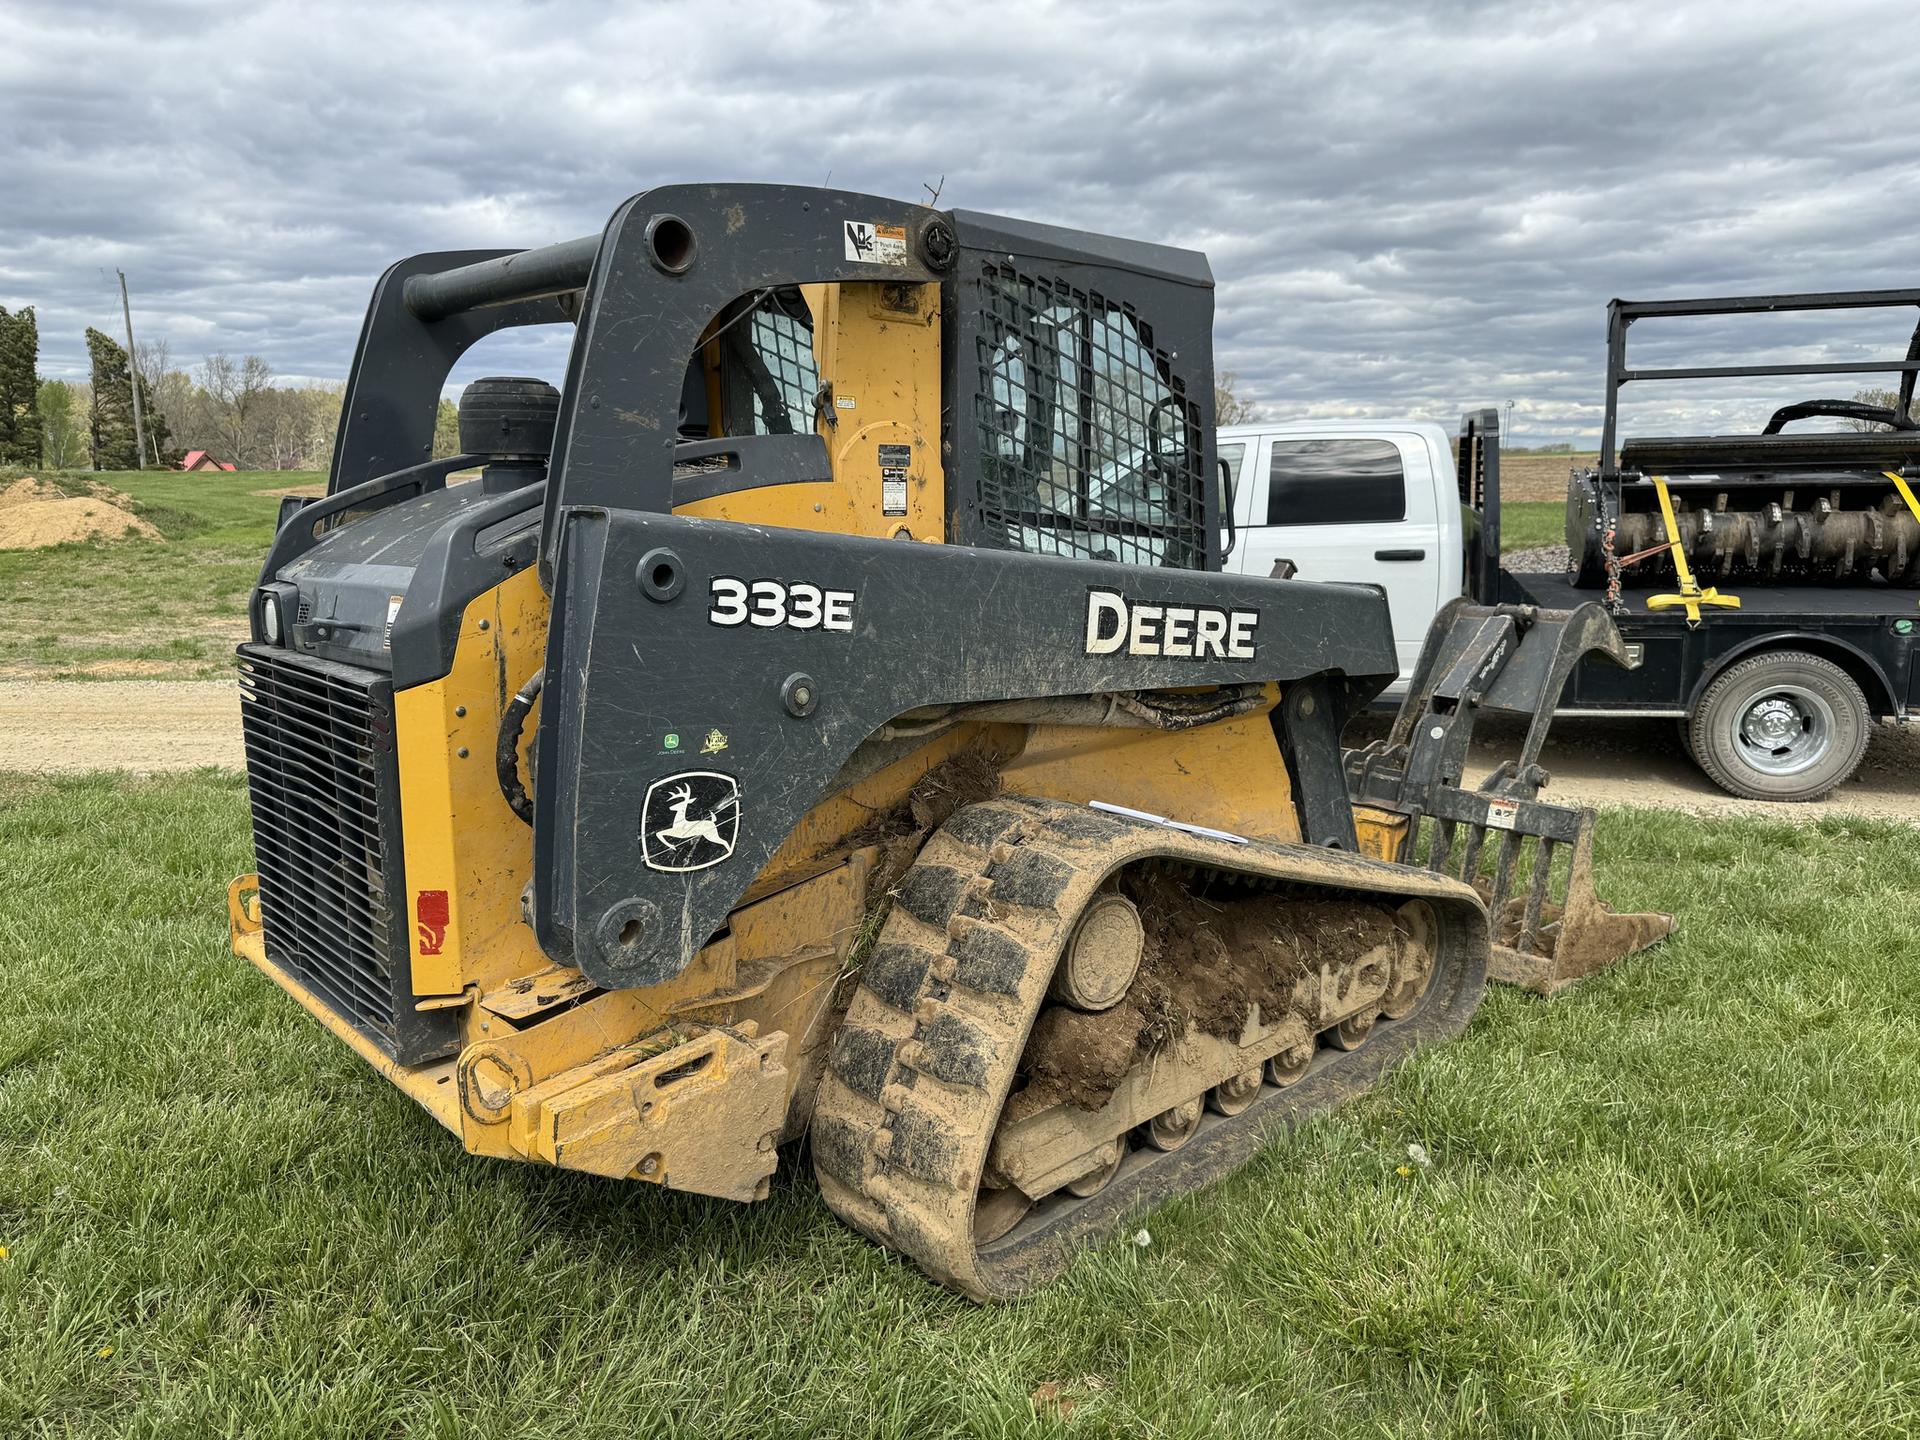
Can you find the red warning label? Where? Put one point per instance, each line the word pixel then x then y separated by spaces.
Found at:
pixel 430 920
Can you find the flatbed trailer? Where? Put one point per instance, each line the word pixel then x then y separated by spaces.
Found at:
pixel 1774 700
pixel 1868 630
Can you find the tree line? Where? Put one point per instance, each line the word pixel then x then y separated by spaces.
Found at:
pixel 230 408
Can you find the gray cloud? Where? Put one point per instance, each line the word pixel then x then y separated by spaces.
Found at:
pixel 1407 210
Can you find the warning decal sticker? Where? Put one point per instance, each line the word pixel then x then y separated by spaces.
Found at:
pixel 430 915
pixel 895 461
pixel 875 243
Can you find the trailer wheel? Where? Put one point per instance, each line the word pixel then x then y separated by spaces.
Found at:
pixel 1781 726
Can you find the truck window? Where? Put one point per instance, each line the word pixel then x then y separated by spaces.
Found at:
pixel 1234 454
pixel 1335 482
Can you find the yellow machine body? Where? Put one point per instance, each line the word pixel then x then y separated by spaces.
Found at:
pixel 1036 935
pixel 693 1083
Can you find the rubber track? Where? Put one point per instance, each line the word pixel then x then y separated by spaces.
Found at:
pixel 923 1063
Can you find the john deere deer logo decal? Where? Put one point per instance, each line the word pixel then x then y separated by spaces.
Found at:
pixel 690 821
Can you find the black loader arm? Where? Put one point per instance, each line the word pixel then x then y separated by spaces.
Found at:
pixel 795 647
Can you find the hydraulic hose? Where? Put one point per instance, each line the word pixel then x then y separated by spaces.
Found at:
pixel 506 754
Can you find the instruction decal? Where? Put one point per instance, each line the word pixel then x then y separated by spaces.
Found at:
pixel 393 609
pixel 895 461
pixel 1502 814
pixel 690 821
pixel 876 244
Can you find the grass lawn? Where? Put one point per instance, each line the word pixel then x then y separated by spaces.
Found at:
pixel 1679 1201
pixel 172 608
pixel 1525 524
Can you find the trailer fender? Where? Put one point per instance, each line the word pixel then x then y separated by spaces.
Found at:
pixel 1867 672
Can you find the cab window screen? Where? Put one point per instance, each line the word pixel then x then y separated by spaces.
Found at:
pixel 1335 482
pixel 767 373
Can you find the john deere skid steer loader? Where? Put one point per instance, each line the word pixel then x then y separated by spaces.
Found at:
pixel 824 716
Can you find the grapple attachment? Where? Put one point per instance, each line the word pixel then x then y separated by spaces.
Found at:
pixel 1515 660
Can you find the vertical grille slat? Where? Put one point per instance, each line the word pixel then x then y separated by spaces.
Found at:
pixel 323 781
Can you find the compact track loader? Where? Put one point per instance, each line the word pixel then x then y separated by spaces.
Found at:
pixel 825 717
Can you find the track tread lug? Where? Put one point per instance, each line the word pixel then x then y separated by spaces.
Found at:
pixel 1032 878
pixel 895 972
pixel 862 1059
pixel 989 960
pixel 954 1051
pixel 840 1149
pixel 981 826
pixel 931 893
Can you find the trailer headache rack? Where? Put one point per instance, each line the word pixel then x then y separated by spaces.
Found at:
pixel 1778 507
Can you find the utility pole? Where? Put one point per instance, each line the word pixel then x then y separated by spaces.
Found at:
pixel 133 379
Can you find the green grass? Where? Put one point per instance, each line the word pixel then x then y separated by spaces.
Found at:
pixel 1525 524
pixel 1680 1200
pixel 174 608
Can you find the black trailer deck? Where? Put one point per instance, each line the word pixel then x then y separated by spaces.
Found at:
pixel 1870 631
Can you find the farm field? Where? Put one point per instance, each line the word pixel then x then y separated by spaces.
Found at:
pixel 1540 477
pixel 1677 1201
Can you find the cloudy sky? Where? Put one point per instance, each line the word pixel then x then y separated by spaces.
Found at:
pixel 1409 207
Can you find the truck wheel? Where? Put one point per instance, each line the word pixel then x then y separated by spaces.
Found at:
pixel 1781 726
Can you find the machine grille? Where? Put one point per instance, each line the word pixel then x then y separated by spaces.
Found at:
pixel 1090 445
pixel 322 778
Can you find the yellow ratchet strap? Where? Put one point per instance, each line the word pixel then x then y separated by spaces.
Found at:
pixel 1906 492
pixel 1691 595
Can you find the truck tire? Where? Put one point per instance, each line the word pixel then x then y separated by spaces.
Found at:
pixel 1781 726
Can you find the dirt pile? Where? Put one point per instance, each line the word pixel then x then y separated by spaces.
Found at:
pixel 29 491
pixel 37 523
pixel 100 490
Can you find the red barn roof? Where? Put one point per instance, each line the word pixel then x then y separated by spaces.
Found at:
pixel 202 460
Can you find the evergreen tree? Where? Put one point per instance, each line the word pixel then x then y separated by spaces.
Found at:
pixel 110 415
pixel 20 431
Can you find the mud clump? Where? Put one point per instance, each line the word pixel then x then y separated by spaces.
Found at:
pixel 902 829
pixel 1214 957
pixel 1206 961
pixel 1079 1057
pixel 37 524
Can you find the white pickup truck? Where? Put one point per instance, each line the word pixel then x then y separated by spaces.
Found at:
pixel 1355 500
pixel 1775 699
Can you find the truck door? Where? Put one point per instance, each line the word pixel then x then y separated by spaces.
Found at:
pixel 1352 508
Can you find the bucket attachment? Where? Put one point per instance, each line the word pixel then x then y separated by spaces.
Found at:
pixel 1505 659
